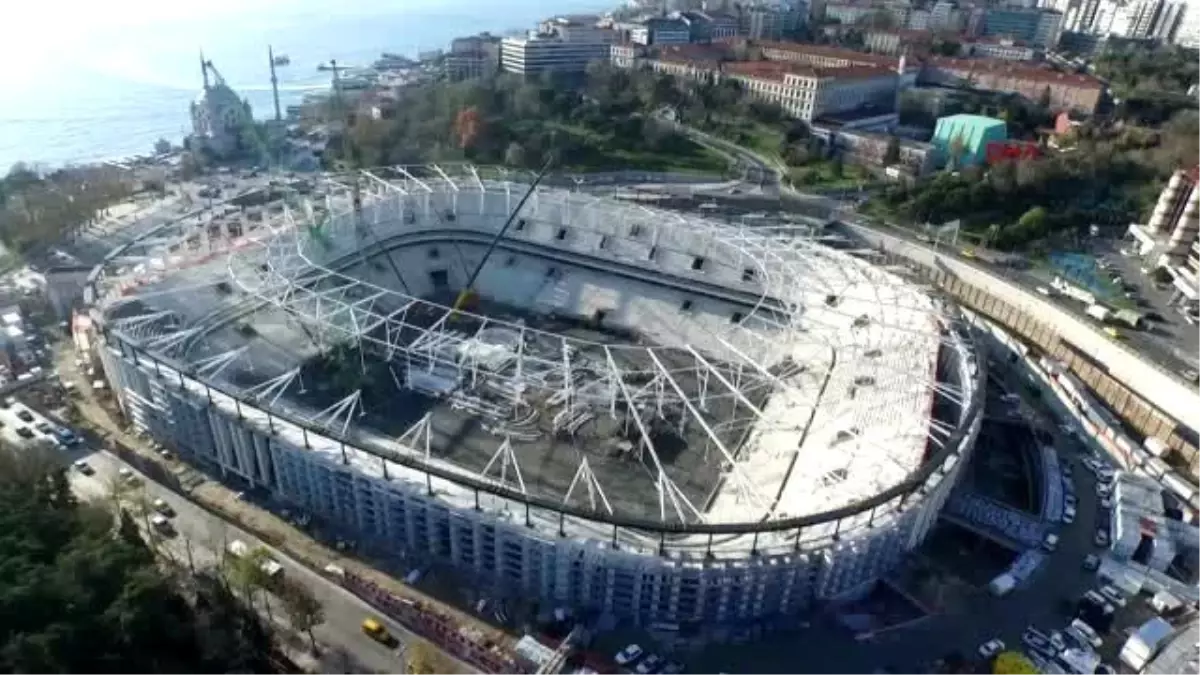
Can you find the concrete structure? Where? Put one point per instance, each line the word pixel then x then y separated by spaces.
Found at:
pixel 1144 533
pixel 1147 398
pixel 64 288
pixel 716 327
pixel 1179 655
pixel 1171 237
pixel 560 45
pixel 625 54
pixel 920 19
pixel 1067 91
pixel 969 135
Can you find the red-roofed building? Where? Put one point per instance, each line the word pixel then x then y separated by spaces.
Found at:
pixel 808 93
pixel 1068 91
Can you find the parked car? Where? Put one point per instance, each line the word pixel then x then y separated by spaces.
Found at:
pixel 84 468
pixel 628 655
pixel 1101 538
pixel 1091 563
pixel 990 648
pixel 1112 595
pixel 163 508
pixel 1050 542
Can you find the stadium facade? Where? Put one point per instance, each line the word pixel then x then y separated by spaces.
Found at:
pixel 654 415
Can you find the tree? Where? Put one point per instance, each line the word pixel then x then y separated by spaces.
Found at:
pixel 1034 218
pixel 303 609
pixel 891 154
pixel 77 597
pixel 1013 663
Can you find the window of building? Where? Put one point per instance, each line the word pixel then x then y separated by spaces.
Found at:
pixel 603 242
pixel 698 263
pixel 635 230
pixel 685 306
pixel 748 274
pixel 519 225
pixel 434 253
pixel 736 317
pixel 653 253
pixel 561 234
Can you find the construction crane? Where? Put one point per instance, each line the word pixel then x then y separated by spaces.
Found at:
pixel 467 296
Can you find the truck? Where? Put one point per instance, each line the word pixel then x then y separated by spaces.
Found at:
pixel 238 549
pixel 1001 585
pixel 1098 312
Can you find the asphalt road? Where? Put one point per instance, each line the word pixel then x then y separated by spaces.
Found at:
pixel 204 537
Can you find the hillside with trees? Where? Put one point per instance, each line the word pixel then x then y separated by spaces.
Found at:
pixel 82 593
pixel 1150 83
pixel 39 209
pixel 1110 176
pixel 523 123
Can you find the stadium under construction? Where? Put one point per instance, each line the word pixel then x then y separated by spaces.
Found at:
pixel 650 414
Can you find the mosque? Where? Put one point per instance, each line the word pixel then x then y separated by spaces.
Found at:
pixel 219 116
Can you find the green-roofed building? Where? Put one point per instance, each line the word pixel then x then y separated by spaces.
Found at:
pixel 974 132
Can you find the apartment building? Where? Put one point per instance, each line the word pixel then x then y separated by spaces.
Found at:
pixel 561 45
pixel 806 92
pixel 472 57
pixel 625 54
pixel 708 26
pixel 896 42
pixel 1039 27
pixel 696 62
pixel 661 32
pixel 1067 91
pixel 1170 238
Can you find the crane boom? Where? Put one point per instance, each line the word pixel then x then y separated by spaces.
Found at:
pixel 468 290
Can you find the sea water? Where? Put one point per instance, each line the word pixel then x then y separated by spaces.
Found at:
pixel 84 81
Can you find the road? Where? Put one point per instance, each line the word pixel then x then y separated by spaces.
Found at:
pixel 203 537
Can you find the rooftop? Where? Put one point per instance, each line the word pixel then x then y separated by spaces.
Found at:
pixel 1017 70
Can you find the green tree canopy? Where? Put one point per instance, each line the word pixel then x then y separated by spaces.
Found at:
pixel 78 596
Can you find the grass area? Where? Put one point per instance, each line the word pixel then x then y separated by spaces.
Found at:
pixel 603 152
pixel 824 174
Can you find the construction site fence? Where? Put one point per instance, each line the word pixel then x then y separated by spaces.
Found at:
pixel 437 627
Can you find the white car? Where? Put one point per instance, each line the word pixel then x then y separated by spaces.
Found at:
pixel 1068 515
pixel 1113 595
pixel 628 655
pixel 990 648
pixel 1050 543
pixel 1101 538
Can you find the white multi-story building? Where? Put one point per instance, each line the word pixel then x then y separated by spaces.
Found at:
pixel 1187 32
pixel 945 15
pixel 560 45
